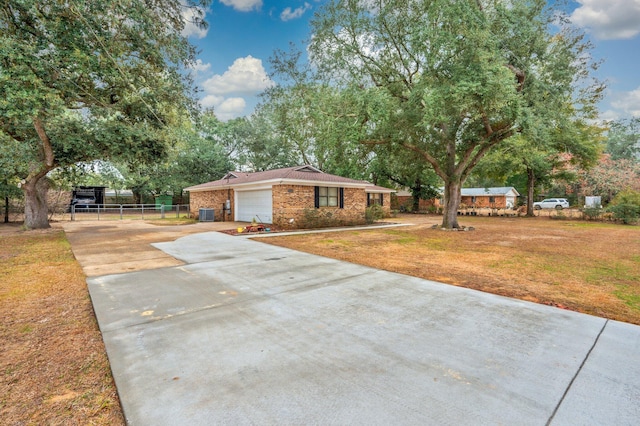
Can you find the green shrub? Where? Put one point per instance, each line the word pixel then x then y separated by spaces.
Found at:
pixel 373 213
pixel 625 206
pixel 592 213
pixel 626 213
pixel 317 218
pixel 627 196
pixel 407 206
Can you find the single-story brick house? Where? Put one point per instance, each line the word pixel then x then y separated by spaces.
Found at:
pixel 293 197
pixel 498 198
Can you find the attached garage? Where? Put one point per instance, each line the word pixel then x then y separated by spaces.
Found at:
pixel 256 204
pixel 289 198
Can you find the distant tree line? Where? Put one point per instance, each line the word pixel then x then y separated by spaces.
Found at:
pixel 412 94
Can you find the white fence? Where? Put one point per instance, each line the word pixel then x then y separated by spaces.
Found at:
pixel 128 211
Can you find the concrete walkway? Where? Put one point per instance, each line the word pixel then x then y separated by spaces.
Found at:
pixel 244 333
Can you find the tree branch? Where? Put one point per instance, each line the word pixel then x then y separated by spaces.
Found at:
pixel 486 123
pixel 468 163
pixel 431 160
pixel 520 76
pixel 393 41
pixel 47 151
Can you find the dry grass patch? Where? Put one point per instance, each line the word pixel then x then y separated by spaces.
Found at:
pixel 172 221
pixel 588 267
pixel 54 366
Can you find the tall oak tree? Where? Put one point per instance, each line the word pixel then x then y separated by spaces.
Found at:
pixel 457 77
pixel 84 80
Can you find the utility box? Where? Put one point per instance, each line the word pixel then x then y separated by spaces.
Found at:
pixel 592 202
pixel 206 215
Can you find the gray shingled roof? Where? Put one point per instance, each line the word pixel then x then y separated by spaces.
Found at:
pixel 297 173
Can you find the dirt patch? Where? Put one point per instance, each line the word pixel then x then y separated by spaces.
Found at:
pixel 114 247
pixel 54 366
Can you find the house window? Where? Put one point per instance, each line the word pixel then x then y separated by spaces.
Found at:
pixel 492 199
pixel 373 199
pixel 327 196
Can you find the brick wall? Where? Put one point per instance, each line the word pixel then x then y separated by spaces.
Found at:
pixel 424 205
pixel 211 200
pixel 500 201
pixel 297 202
pixel 388 200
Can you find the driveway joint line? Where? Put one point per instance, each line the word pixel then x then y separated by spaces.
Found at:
pixel 152 320
pixel 575 376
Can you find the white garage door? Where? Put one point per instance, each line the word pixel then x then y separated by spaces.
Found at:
pixel 255 204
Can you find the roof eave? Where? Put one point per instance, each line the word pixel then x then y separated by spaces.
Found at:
pixel 279 181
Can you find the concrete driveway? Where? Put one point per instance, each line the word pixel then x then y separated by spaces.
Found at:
pixel 240 332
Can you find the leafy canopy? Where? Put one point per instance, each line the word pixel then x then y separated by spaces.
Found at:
pixel 82 80
pixel 453 79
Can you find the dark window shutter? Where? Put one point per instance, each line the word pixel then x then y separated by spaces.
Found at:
pixel 381 199
pixel 341 202
pixel 316 196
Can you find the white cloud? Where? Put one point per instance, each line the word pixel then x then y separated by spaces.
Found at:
pixel 609 19
pixel 230 108
pixel 191 29
pixel 211 101
pixel 246 75
pixel 200 66
pixel 628 102
pixel 243 5
pixel 224 108
pixel 288 14
pixel 609 115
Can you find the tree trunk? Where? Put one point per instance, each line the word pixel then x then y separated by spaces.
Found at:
pixel 36 185
pixel 137 196
pixel 179 199
pixel 451 204
pixel 531 183
pixel 416 203
pixel 6 209
pixel 415 193
pixel 35 203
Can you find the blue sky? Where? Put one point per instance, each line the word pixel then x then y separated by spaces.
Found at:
pixel 233 64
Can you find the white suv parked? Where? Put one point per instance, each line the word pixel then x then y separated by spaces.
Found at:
pixel 552 203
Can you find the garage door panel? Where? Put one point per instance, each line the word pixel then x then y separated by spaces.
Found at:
pixel 255 204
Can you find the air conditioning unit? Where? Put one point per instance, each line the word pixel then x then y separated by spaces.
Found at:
pixel 206 215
